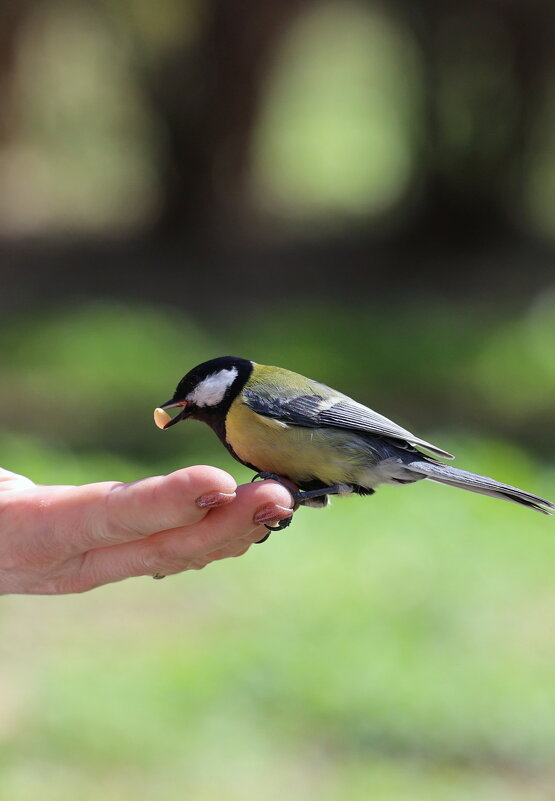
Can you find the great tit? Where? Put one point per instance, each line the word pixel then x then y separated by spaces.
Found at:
pixel 283 425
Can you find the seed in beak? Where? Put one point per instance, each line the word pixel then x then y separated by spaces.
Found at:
pixel 161 418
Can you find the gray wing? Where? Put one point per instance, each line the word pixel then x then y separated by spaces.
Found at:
pixel 335 411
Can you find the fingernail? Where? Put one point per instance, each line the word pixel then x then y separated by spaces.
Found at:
pixel 213 499
pixel 271 512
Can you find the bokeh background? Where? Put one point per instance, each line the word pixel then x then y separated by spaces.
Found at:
pixel 362 191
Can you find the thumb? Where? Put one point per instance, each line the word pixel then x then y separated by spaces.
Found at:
pixel 13 481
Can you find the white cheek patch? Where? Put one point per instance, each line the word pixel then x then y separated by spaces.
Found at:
pixel 212 389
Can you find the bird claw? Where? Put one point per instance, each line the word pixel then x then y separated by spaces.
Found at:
pixel 295 495
pixel 281 524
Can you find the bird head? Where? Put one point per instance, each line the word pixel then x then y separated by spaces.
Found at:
pixel 206 391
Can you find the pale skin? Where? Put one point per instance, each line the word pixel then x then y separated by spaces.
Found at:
pixel 69 539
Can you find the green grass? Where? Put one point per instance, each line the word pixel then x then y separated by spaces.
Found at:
pixel 395 647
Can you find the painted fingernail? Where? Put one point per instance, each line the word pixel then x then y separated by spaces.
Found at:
pixel 213 499
pixel 271 513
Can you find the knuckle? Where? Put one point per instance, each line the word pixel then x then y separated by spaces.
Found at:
pixel 163 558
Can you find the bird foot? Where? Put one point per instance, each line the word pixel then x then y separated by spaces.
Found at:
pixel 294 494
pixel 300 498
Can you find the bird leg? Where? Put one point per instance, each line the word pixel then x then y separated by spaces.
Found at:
pixel 299 497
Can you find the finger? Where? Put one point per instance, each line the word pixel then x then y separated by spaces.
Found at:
pixel 13 481
pixel 185 548
pixel 234 549
pixel 224 525
pixel 107 514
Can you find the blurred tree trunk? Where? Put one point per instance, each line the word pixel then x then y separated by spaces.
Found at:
pixel 208 101
pixel 13 16
pixel 463 194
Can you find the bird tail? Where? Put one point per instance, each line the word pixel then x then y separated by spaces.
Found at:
pixel 453 477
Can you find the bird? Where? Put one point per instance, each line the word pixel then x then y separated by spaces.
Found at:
pixel 290 428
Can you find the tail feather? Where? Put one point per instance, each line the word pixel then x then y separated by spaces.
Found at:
pixel 462 479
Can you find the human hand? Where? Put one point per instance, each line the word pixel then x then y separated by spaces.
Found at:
pixel 66 539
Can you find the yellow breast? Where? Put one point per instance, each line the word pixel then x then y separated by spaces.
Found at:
pixel 294 451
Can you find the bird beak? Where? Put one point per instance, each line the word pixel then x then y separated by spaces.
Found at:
pixel 163 420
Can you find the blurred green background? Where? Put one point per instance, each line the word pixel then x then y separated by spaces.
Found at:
pixel 363 192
